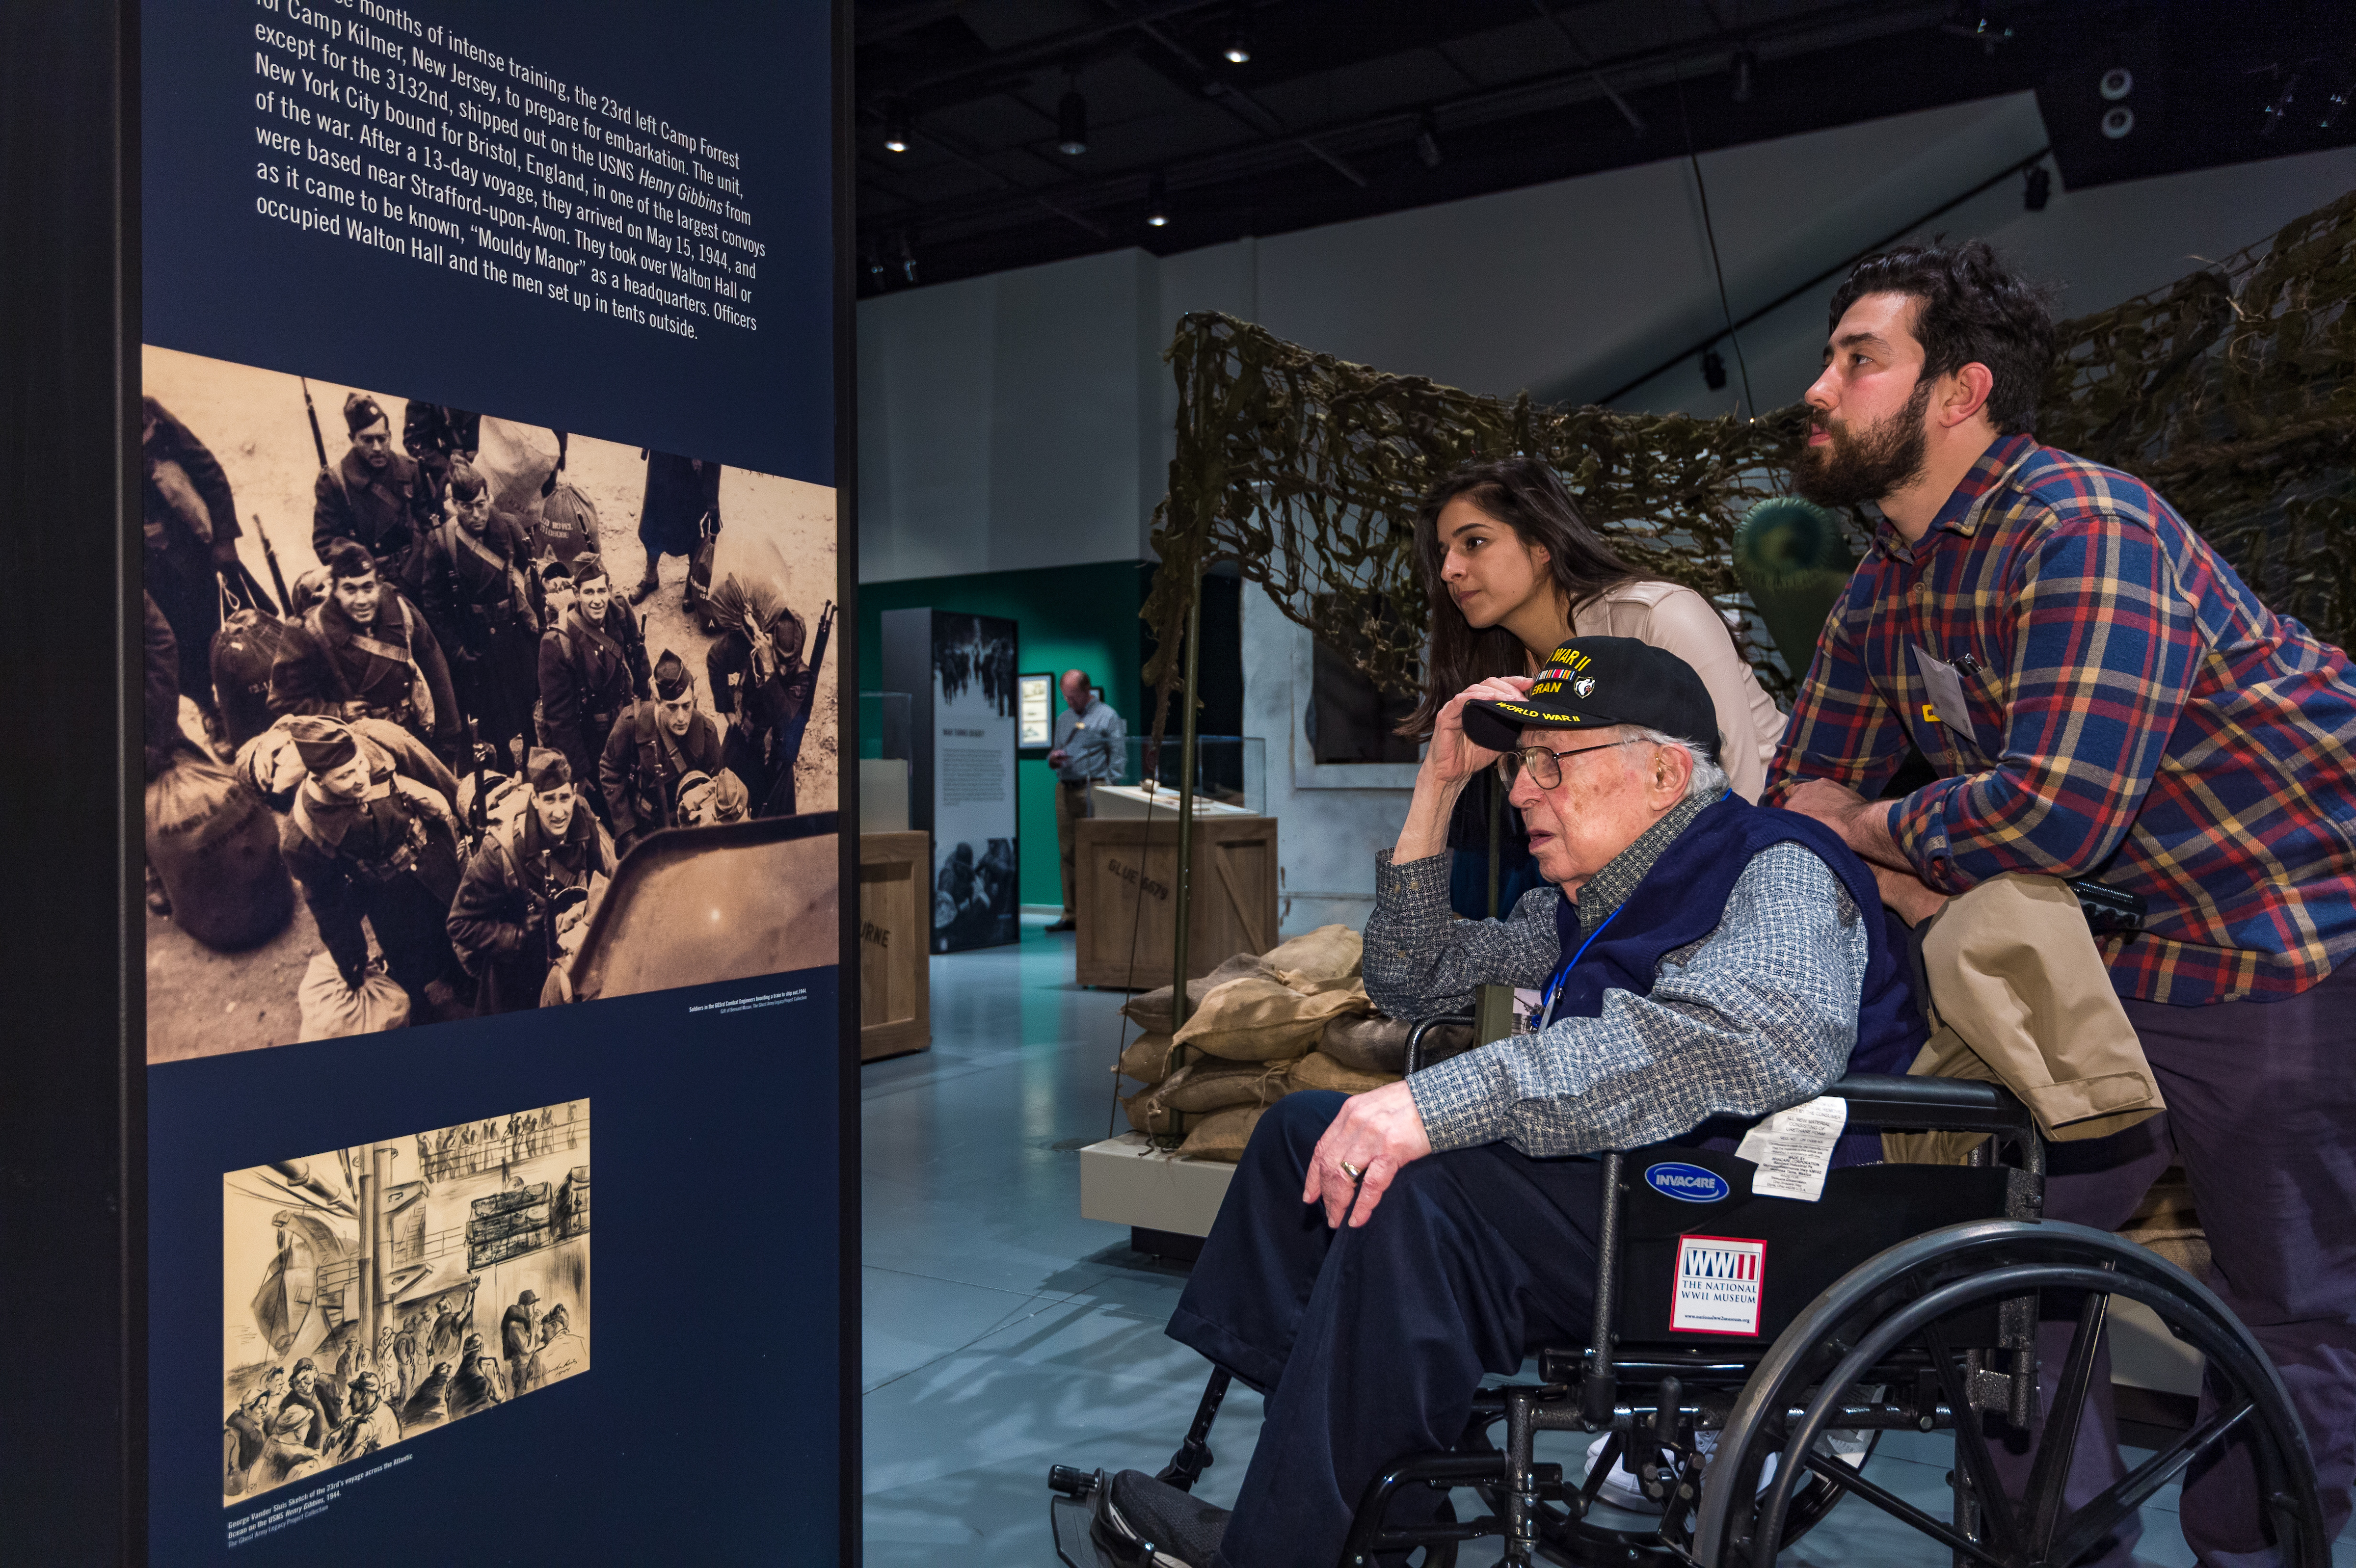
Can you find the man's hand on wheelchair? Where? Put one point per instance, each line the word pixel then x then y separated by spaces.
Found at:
pixel 1376 1135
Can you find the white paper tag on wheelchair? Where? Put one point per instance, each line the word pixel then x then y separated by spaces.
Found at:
pixel 1720 1282
pixel 1793 1148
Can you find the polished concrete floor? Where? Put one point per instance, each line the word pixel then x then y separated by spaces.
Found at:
pixel 1003 1333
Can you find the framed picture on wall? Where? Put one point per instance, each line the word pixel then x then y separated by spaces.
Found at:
pixel 1034 714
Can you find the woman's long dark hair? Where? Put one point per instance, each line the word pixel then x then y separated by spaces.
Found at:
pixel 1526 496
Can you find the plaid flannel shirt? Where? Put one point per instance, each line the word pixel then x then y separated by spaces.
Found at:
pixel 2135 715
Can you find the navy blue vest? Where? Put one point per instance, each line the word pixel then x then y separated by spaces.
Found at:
pixel 1682 899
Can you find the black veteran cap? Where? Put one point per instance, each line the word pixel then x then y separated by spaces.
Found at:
pixel 1591 683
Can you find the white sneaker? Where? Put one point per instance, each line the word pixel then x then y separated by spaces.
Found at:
pixel 1621 1488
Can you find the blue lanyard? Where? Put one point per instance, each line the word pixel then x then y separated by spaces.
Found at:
pixel 1546 1015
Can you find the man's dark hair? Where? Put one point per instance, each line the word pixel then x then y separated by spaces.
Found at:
pixel 1973 308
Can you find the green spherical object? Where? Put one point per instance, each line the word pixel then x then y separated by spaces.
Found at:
pixel 1784 536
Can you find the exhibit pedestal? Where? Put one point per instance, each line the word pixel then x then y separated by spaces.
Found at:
pixel 896 1013
pixel 1128 871
pixel 1125 1182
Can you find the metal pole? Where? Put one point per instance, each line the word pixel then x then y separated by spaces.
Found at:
pixel 1187 802
pixel 383 1270
pixel 365 1262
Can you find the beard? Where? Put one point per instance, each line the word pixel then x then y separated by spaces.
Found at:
pixel 1855 468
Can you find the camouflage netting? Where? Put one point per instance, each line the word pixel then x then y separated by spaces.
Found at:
pixel 2230 390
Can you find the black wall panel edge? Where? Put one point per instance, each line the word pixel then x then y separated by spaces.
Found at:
pixel 846 524
pixel 68 1092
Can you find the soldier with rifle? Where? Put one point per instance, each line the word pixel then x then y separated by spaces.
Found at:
pixel 760 686
pixel 435 436
pixel 368 843
pixel 364 651
pixel 190 521
pixel 592 664
pixel 525 885
pixel 373 495
pixel 470 581
pixel 654 746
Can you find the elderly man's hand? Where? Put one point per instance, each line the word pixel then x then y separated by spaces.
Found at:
pixel 1452 755
pixel 1377 1133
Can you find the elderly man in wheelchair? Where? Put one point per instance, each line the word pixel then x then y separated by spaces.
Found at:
pixel 1731 1326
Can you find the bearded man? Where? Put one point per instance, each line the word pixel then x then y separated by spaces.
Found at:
pixel 2103 696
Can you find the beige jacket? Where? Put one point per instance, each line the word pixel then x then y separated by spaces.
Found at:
pixel 2020 997
pixel 1669 616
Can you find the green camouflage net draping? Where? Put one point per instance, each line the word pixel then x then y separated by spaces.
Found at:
pixel 2231 391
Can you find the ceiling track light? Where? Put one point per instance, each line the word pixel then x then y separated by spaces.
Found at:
pixel 1157 203
pixel 2037 189
pixel 1072 124
pixel 899 127
pixel 1427 141
pixel 1745 62
pixel 1237 50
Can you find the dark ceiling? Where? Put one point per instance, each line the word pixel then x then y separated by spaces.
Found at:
pixel 1349 107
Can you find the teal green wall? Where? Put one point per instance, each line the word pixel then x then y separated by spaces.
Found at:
pixel 1065 617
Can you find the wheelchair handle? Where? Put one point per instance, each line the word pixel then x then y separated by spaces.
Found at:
pixel 1942 1105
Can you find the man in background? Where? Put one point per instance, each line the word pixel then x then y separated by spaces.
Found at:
pixel 505 922
pixel 373 495
pixel 1091 744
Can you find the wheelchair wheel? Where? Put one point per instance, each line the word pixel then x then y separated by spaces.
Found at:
pixel 1886 1318
pixel 1587 1531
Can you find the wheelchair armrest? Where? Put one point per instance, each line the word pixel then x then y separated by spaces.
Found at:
pixel 1422 1027
pixel 1934 1105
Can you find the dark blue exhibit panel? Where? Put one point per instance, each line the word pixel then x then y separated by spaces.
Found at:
pixel 261 156
pixel 704 1429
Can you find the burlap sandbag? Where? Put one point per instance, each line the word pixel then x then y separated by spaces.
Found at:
pixel 1151 1009
pixel 1208 1084
pixel 2166 1222
pixel 1146 1114
pixel 1221 1136
pixel 1258 1019
pixel 1147 1060
pixel 1318 1071
pixel 1325 959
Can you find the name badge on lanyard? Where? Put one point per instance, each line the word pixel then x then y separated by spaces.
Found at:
pixel 1946 684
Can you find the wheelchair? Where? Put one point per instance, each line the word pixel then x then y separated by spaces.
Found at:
pixel 1908 1297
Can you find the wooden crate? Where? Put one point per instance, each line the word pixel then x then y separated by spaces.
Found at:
pixel 1128 875
pixel 896 1004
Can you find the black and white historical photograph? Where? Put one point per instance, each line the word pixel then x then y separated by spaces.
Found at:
pixel 425 686
pixel 375 1293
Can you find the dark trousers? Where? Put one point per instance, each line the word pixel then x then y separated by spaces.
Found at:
pixel 1369 1343
pixel 1071 808
pixel 2261 1115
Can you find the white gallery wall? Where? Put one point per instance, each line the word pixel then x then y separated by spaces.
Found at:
pixel 1026 420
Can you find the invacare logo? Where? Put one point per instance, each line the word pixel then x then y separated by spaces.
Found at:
pixel 1718 1286
pixel 1687 1183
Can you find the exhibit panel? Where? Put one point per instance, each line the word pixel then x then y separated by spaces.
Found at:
pixel 958 671
pixel 488 551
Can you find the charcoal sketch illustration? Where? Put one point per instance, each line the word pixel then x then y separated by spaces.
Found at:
pixel 427 690
pixel 375 1293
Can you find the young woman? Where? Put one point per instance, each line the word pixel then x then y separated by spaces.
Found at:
pixel 1513 571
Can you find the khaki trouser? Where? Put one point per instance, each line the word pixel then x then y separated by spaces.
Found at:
pixel 2020 995
pixel 1071 805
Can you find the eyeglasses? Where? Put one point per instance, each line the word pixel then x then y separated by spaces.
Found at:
pixel 1545 766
